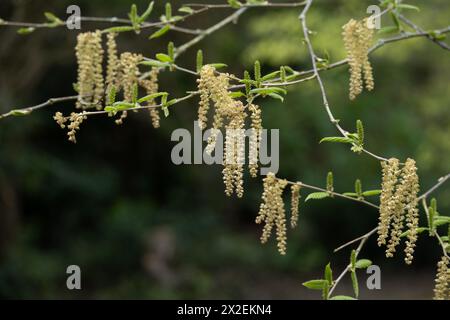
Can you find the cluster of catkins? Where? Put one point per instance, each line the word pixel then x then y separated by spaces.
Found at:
pixel 398 204
pixel 357 39
pixel 122 74
pixel 442 281
pixel 231 115
pixel 272 211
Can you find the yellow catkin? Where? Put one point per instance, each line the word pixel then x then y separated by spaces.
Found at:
pixel 129 78
pixel 89 53
pixel 398 206
pixel 272 211
pixel 113 64
pixel 204 82
pixel 412 212
pixel 151 86
pixel 295 200
pixel 357 40
pixel 390 171
pixel 255 139
pixel 234 153
pixel 442 281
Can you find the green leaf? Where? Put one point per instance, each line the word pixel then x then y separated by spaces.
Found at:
pixel 160 32
pixel 418 230
pixel 187 10
pixel 168 11
pixel 276 96
pixel 146 13
pixel 350 194
pixel 52 18
pixel 163 57
pixel 270 75
pixel 328 274
pixel 133 15
pixel 268 90
pixel 369 193
pixel 441 220
pixel 360 132
pixel 152 96
pixel 119 29
pixel 336 139
pixel 316 196
pixel 234 4
pixel 396 20
pixel 24 31
pixel 218 65
pixel 199 60
pixel 154 63
pixel 355 283
pixel 171 50
pixel 408 7
pixel 353 259
pixel 315 284
pixel 20 112
pixel 342 298
pixel 388 29
pixel 363 263
pixel 236 94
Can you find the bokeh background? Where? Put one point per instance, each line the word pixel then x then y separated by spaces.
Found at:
pixel 142 228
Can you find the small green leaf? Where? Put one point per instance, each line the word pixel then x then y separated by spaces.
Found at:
pixel 353 259
pixel 350 194
pixel 355 283
pixel 187 10
pixel 342 298
pixel 336 139
pixel 163 57
pixel 119 29
pixel 316 196
pixel 199 60
pixel 154 63
pixel 268 90
pixel 234 4
pixel 236 94
pixel 171 50
pixel 146 13
pixel 270 75
pixel 315 284
pixel 20 112
pixel 388 29
pixel 407 7
pixel 218 65
pixel 329 274
pixel 418 230
pixel 152 96
pixel 160 32
pixel 276 96
pixel 369 193
pixel 363 263
pixel 168 11
pixel 52 18
pixel 24 31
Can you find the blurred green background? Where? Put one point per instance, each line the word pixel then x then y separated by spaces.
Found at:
pixel 141 227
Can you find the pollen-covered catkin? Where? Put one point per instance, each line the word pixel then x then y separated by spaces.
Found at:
pixel 398 205
pixel 295 200
pixel 130 73
pixel 390 172
pixel 113 63
pixel 205 80
pixel 272 211
pixel 357 39
pixel 442 281
pixel 255 138
pixel 234 153
pixel 151 86
pixel 412 212
pixel 89 53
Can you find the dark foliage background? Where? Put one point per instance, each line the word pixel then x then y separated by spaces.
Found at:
pixel 141 227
